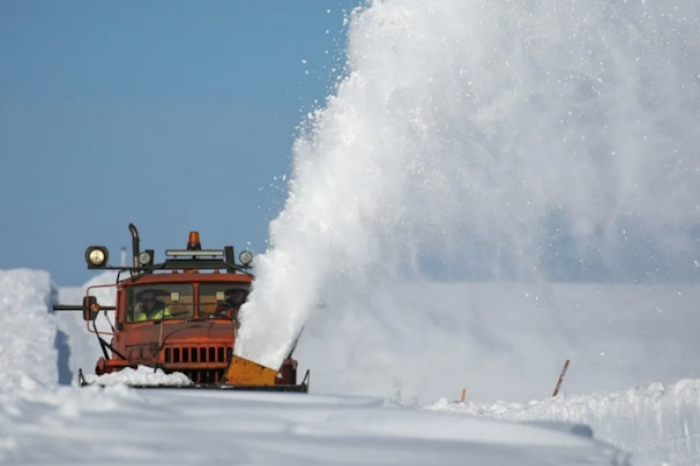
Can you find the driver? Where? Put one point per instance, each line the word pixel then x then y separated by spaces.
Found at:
pixel 234 299
pixel 150 308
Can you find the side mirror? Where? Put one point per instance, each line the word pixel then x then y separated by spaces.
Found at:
pixel 90 308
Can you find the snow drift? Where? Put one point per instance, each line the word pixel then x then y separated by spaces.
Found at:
pixel 658 424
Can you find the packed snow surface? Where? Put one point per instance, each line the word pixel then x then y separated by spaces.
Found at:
pixel 488 139
pixel 119 426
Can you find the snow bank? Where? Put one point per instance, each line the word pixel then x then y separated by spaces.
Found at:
pixel 27 329
pixel 118 426
pixel 658 424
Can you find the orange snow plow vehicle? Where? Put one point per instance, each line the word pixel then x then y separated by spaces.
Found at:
pixel 177 317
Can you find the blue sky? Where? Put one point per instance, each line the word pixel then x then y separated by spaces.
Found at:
pixel 173 115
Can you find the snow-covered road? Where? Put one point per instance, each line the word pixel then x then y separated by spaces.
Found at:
pixel 71 426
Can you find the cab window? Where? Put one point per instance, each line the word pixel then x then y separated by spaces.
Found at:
pixel 160 301
pixel 222 300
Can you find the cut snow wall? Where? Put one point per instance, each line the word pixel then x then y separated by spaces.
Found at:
pixel 659 425
pixel 27 328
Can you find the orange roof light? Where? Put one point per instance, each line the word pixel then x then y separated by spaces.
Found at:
pixel 193 241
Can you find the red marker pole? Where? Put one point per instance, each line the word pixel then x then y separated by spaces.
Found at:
pixel 561 378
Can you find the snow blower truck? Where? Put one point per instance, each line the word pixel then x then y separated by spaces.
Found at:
pixel 176 317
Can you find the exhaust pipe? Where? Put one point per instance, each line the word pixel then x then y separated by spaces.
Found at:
pixel 135 247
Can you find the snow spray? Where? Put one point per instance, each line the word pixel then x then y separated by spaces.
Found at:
pixel 482 140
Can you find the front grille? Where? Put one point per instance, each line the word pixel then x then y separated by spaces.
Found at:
pixel 198 354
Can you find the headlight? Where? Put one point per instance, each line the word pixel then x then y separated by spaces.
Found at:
pixel 144 258
pixel 97 256
pixel 245 257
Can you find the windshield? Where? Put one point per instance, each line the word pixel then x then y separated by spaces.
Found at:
pixel 160 301
pixel 224 306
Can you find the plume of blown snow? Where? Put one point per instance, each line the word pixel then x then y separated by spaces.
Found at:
pixel 488 140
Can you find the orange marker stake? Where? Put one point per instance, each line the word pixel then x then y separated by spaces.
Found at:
pixel 561 378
